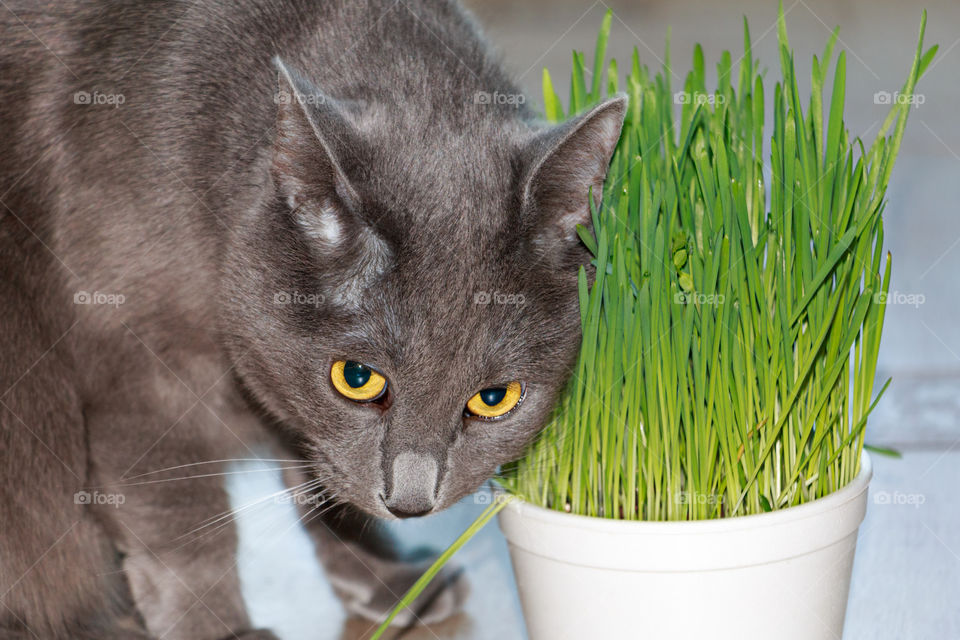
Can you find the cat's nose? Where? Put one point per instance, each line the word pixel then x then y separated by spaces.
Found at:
pixel 413 485
pixel 400 513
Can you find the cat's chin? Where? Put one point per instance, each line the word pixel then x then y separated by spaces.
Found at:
pixel 381 512
pixel 378 508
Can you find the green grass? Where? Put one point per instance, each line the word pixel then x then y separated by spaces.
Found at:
pixel 730 337
pixel 732 324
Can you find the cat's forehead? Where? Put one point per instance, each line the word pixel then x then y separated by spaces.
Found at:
pixel 431 330
pixel 437 171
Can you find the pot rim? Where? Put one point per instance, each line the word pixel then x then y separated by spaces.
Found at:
pixel 831 502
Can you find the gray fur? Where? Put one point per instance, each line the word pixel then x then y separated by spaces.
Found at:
pixel 255 240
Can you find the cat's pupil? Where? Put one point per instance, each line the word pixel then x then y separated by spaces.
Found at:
pixel 355 374
pixel 493 397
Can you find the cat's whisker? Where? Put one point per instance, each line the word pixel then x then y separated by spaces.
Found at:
pixel 304 486
pixel 195 464
pixel 300 520
pixel 295 490
pixel 316 511
pixel 314 516
pixel 230 517
pixel 213 475
pixel 334 502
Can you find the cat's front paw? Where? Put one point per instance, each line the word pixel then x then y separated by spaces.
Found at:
pixel 372 596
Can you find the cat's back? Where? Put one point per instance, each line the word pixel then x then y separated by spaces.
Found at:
pixel 117 88
pixel 137 131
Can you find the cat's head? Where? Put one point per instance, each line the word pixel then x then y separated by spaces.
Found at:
pixel 405 299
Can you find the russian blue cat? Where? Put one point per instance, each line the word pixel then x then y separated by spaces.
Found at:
pixel 283 224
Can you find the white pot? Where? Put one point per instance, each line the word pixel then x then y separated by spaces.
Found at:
pixel 781 575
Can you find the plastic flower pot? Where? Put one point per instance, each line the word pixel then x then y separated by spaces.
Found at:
pixel 783 574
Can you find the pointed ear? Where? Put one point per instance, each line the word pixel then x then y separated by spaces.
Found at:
pixel 314 143
pixel 564 163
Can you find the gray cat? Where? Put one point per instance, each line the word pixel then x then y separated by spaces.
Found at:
pixel 330 228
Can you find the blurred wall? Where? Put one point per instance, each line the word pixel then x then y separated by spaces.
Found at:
pixel 879 36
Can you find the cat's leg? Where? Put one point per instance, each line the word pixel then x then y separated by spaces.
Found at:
pixel 370 581
pixel 156 444
pixel 365 571
pixel 59 573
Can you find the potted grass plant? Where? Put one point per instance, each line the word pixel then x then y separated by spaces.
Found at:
pixel 704 474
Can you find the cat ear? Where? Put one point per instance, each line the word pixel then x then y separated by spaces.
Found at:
pixel 315 140
pixel 565 162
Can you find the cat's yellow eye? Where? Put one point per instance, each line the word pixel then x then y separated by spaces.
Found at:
pixel 495 402
pixel 356 381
